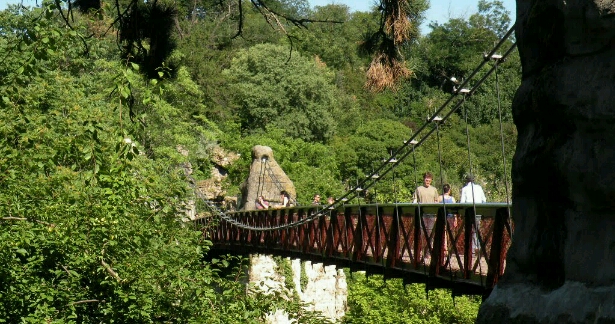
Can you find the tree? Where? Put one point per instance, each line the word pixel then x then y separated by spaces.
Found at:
pixel 455 48
pixel 369 301
pixel 291 93
pixel 90 227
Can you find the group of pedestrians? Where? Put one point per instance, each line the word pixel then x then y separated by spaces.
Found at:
pixel 262 203
pixel 424 194
pixel 316 200
pixel 428 194
pixel 470 193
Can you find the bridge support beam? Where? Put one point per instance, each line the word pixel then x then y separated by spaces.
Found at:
pixel 561 265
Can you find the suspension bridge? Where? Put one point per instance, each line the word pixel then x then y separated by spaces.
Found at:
pixel 457 246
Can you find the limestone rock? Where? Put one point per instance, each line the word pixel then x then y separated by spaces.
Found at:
pixel 561 266
pixel 266 178
pixel 212 189
pixel 325 288
pixel 279 317
pixel 263 272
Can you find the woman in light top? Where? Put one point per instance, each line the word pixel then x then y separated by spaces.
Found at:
pixel 446 197
pixel 284 199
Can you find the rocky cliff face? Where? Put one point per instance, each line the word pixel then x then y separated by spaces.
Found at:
pixel 266 178
pixel 560 268
pixel 324 288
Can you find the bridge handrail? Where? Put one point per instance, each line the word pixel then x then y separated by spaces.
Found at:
pixel 485 210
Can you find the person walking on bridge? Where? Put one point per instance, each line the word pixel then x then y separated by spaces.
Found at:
pixel 473 193
pixel 426 194
pixel 316 200
pixel 446 197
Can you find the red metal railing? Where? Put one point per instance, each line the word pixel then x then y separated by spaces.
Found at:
pixel 429 243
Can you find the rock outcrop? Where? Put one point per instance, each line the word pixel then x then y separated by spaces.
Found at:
pixel 266 178
pixel 561 266
pixel 212 188
pixel 325 289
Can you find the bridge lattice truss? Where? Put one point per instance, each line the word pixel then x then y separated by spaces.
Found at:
pixel 462 247
pixel 456 246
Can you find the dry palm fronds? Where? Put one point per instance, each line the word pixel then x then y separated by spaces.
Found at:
pixel 385 72
pixel 396 24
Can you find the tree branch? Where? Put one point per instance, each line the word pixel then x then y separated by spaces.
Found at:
pixel 110 271
pixel 240 23
pixel 85 301
pixel 299 22
pixel 28 219
pixel 65 269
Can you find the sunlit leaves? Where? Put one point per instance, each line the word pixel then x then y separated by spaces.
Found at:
pixel 90 228
pixel 370 298
pixel 292 93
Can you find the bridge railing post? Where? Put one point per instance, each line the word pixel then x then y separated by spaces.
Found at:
pixel 468 222
pixel 393 239
pixel 497 255
pixel 437 255
pixel 349 230
pixel 331 239
pixel 325 223
pixel 312 233
pixel 417 246
pixel 301 232
pixel 358 253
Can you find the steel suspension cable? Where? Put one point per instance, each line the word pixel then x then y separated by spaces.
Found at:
pixel 463 84
pixel 497 89
pixel 471 183
pixel 445 213
pixel 261 180
pixel 430 132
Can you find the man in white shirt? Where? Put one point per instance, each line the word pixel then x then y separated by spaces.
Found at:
pixel 473 193
pixel 470 190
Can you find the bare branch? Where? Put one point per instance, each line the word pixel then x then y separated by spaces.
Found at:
pixel 270 15
pixel 240 23
pixel 179 30
pixel 65 269
pixel 110 271
pixel 299 22
pixel 14 218
pixel 85 301
pixel 28 219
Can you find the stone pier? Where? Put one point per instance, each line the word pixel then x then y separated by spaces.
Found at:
pixel 322 288
pixel 561 265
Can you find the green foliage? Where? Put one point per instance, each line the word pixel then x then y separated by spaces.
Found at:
pixel 303 279
pixel 285 269
pixel 283 90
pixel 92 199
pixel 311 166
pixel 334 39
pixel 455 48
pixel 90 151
pixel 369 301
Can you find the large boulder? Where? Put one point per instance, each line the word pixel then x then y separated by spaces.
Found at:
pixel 266 178
pixel 561 265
